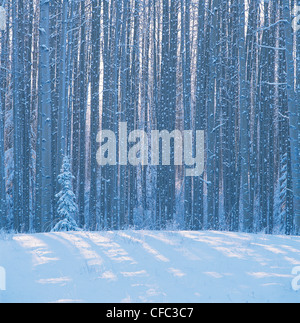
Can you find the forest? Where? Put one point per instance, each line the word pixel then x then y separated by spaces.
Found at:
pixel 72 68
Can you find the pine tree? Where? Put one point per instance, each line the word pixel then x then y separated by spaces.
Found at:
pixel 67 206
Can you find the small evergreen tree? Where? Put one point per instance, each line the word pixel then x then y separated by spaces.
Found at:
pixel 67 206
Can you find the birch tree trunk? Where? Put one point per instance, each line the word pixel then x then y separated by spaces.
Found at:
pixel 244 129
pixel 63 110
pixel 198 196
pixel 293 107
pixel 95 79
pixel 44 167
pixel 82 99
pixel 17 100
pixel 3 203
pixel 2 170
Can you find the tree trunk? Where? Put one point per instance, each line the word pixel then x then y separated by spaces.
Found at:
pixel 44 167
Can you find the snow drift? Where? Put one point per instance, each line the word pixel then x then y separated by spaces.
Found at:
pixel 146 266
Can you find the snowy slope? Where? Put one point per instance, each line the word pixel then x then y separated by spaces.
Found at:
pixel 144 266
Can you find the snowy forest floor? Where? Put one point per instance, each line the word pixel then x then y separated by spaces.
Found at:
pixel 146 266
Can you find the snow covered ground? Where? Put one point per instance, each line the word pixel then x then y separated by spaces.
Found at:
pixel 145 266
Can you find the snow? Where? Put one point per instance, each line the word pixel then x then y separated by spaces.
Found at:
pixel 149 266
